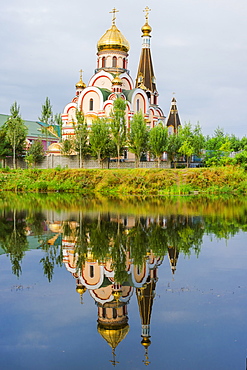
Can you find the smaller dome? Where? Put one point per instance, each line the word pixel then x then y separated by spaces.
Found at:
pixel 81 289
pixel 146 342
pixel 117 81
pixel 80 84
pixel 146 29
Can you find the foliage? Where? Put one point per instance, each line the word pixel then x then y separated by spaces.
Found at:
pixel 81 136
pixel 100 139
pixel 35 153
pixel 138 137
pixel 67 147
pixel 173 146
pixel 15 131
pixel 192 141
pixel 118 126
pixel 46 112
pixel 158 139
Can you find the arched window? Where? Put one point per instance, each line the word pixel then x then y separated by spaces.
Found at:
pixel 103 62
pixel 91 271
pixel 138 105
pixel 91 104
pixel 104 312
pixel 114 61
pixel 124 63
pixel 114 313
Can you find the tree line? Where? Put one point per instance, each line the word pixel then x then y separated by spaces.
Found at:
pixel 109 137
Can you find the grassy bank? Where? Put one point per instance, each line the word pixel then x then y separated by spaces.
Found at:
pixel 128 181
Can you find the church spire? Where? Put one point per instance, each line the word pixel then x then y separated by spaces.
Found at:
pixel 145 76
pixel 173 120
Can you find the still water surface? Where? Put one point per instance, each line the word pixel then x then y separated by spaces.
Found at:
pixel 97 285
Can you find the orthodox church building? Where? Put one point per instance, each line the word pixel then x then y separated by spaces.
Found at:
pixel 112 79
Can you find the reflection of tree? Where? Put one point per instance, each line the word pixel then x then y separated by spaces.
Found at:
pixel 53 256
pixel 13 238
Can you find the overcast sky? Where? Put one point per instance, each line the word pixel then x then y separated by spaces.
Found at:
pixel 199 51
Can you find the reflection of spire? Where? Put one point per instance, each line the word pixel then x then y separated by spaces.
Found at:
pixel 145 296
pixel 80 289
pixel 173 254
pixel 113 361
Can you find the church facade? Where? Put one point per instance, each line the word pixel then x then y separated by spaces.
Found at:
pixel 112 80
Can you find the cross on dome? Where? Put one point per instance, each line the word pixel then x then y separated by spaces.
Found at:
pixel 114 11
pixel 147 10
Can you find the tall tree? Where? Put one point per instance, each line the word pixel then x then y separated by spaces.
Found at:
pixel 36 153
pixel 173 146
pixel 16 131
pixel 81 136
pixel 138 137
pixel 192 141
pixel 158 137
pixel 100 139
pixel 47 118
pixel 118 126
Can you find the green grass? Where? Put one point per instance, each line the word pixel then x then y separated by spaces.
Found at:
pixel 127 182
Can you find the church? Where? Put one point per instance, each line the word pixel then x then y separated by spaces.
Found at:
pixel 112 80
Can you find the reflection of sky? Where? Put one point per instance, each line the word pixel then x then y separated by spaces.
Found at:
pixel 198 320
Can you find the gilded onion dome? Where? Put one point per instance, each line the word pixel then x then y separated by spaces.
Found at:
pixel 146 29
pixel 80 84
pixel 113 335
pixel 117 81
pixel 113 39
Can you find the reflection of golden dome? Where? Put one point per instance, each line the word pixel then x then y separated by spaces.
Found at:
pixel 146 342
pixel 117 81
pixel 117 294
pixel 81 289
pixel 146 29
pixel 113 39
pixel 113 335
pixel 56 227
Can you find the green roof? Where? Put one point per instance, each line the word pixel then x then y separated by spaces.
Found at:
pixel 105 93
pixel 129 94
pixel 34 127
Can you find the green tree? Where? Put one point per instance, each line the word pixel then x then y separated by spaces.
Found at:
pixel 158 139
pixel 192 141
pixel 138 137
pixel 67 147
pixel 16 131
pixel 118 126
pixel 35 153
pixel 47 118
pixel 100 139
pixel 46 112
pixel 173 146
pixel 81 136
pixel 57 120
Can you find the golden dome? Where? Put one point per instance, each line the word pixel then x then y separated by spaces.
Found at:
pixel 115 335
pixel 113 39
pixel 80 85
pixel 146 342
pixel 117 81
pixel 146 29
pixel 81 289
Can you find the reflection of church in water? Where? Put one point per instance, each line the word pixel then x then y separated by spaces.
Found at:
pixel 111 297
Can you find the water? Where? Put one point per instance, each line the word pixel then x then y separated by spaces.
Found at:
pixel 95 284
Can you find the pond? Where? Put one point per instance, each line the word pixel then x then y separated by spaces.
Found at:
pixel 97 283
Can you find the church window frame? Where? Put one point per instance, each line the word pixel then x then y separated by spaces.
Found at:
pixel 114 62
pixel 91 104
pixel 138 105
pixel 103 62
pixel 91 271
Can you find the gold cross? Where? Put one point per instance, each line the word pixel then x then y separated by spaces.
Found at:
pixel 81 73
pixel 114 11
pixel 147 10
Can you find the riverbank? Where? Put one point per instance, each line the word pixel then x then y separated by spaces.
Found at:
pixel 127 182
